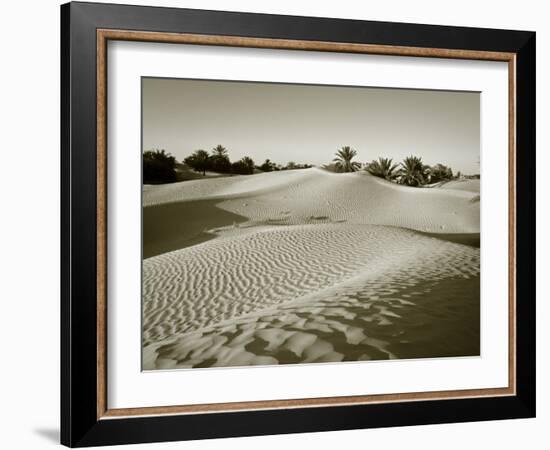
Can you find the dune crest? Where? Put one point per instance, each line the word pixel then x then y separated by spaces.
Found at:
pixel 315 196
pixel 218 187
pixel 462 185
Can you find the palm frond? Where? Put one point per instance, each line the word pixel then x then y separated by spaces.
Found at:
pixel 343 160
pixel 383 168
pixel 413 172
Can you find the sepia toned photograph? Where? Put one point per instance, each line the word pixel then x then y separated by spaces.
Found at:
pixel 297 224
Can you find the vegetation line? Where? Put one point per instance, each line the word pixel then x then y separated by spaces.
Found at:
pixel 160 167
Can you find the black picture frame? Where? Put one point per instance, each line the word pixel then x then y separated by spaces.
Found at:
pixel 80 425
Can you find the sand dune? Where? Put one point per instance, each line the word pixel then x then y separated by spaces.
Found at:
pixel 287 286
pixel 315 195
pixel 316 267
pixel 462 185
pixel 219 187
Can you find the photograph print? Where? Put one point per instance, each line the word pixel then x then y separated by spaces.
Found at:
pixel 297 224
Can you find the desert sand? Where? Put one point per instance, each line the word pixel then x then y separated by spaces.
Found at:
pixel 307 266
pixel 462 185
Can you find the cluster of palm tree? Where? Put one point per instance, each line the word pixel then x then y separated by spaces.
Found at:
pixel 158 167
pixel 270 166
pixel 218 161
pixel 411 171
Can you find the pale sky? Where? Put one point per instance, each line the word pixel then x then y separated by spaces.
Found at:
pixel 308 123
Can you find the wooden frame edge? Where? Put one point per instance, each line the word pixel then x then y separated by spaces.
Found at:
pixel 101 224
pixel 103 35
pixel 512 328
pixel 303 403
pixel 289 44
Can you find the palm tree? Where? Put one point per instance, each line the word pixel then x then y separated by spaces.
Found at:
pixel 413 172
pixel 220 159
pixel 248 163
pixel 244 166
pixel 343 160
pixel 158 167
pixel 198 161
pixel 219 151
pixel 383 168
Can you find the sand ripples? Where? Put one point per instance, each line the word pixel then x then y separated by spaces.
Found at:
pixel 300 293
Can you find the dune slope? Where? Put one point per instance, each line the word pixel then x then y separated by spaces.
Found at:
pixel 314 196
pixel 202 293
pixel 316 267
pixel 462 185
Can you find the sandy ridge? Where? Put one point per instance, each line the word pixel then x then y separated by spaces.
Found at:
pixel 315 195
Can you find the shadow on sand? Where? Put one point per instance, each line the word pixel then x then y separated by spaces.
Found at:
pixel 471 239
pixel 173 226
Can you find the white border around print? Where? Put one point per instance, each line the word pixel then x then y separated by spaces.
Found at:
pixel 129 387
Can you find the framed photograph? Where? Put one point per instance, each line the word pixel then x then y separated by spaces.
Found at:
pixel 278 224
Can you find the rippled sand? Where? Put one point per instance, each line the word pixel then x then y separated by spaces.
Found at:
pixel 284 285
pixel 319 268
